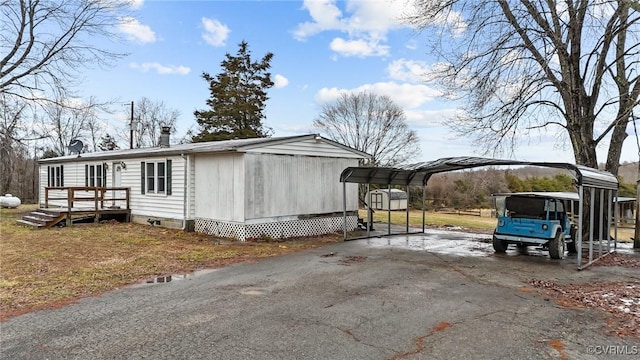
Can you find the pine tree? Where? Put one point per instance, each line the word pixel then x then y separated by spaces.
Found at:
pixel 108 143
pixel 238 97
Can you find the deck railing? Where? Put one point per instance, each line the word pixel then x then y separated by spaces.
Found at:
pixel 86 194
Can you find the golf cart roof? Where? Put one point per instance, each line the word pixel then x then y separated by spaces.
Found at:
pixel 563 195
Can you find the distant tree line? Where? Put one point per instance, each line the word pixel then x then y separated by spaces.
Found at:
pixel 473 189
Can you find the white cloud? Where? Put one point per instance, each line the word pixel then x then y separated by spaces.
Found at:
pixel 415 70
pixel 161 69
pixel 135 31
pixel 417 118
pixel 280 81
pixel 366 24
pixel 136 4
pixel 325 15
pixel 407 96
pixel 215 33
pixel 360 48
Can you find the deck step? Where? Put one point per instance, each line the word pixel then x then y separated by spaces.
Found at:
pixel 29 223
pixel 42 218
pixel 36 219
pixel 44 215
pixel 48 212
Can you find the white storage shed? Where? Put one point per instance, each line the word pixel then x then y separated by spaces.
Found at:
pixel 388 199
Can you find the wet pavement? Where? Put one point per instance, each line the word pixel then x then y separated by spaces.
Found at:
pixel 440 295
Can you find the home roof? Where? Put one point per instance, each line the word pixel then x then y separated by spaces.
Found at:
pixel 237 145
pixel 419 173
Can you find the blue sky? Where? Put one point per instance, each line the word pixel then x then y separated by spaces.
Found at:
pixel 320 49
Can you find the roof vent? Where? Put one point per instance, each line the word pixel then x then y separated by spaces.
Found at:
pixel 164 136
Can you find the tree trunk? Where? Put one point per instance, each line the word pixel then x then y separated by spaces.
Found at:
pixel 636 237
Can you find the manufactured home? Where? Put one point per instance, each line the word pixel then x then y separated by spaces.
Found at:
pixel 277 187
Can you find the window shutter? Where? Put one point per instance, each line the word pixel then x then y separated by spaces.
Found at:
pixel 168 170
pixel 48 175
pixel 61 175
pixel 142 177
pixel 104 175
pixel 86 175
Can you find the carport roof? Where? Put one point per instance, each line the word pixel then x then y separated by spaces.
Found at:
pixel 419 173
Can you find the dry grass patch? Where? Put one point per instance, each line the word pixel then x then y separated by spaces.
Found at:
pixel 435 219
pixel 48 268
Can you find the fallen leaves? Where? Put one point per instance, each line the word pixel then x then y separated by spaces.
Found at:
pixel 615 259
pixel 620 299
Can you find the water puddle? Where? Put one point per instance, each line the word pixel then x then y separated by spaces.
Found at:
pixel 469 244
pixel 177 277
pixel 437 241
pixel 253 292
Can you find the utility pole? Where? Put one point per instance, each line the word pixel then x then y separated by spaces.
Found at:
pixel 131 129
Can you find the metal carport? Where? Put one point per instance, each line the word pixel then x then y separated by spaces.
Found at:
pixel 596 184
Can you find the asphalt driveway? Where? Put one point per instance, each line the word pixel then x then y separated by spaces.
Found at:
pixel 442 295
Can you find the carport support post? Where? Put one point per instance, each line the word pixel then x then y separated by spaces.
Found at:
pixel 592 193
pixel 580 223
pixel 600 234
pixel 389 209
pixel 344 202
pixel 636 233
pixel 609 202
pixel 369 212
pixel 407 208
pixel 424 205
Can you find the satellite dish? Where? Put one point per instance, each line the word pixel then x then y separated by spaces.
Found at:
pixel 75 146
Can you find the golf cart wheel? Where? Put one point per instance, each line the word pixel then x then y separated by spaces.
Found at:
pixel 499 246
pixel 556 247
pixel 571 246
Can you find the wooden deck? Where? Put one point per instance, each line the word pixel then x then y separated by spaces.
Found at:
pixel 71 204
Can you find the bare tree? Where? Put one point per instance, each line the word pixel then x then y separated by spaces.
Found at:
pixel 67 119
pixel 529 66
pixel 370 123
pixel 10 146
pixel 43 43
pixel 149 117
pixel 17 168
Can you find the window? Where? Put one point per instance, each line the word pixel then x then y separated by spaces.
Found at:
pixel 156 177
pixel 95 175
pixel 55 175
pixel 151 177
pixel 376 201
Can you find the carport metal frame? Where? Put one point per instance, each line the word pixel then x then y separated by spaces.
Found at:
pixel 598 184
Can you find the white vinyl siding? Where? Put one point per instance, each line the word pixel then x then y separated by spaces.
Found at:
pixel 281 185
pixel 166 206
pixel 155 205
pixel 73 175
pixel 191 181
pixel 219 187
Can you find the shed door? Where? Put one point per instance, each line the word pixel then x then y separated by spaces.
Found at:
pixel 377 201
